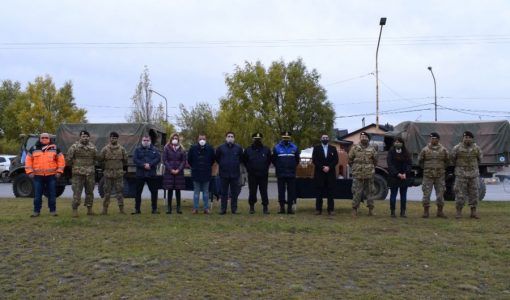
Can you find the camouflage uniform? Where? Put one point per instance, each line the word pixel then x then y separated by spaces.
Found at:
pixel 433 160
pixel 362 160
pixel 114 158
pixel 82 159
pixel 466 160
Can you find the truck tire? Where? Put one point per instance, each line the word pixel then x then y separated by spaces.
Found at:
pixel 23 186
pixel 380 187
pixel 127 194
pixel 449 194
pixel 483 189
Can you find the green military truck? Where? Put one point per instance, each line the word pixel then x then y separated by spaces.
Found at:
pixel 493 137
pixel 130 135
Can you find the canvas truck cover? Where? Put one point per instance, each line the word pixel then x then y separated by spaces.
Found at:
pixel 493 137
pixel 130 134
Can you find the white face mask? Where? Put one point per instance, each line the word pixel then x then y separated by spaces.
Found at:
pixel 201 142
pixel 175 142
pixel 146 144
pixel 230 140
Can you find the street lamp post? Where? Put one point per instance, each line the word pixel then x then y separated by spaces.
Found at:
pixel 382 22
pixel 166 104
pixel 435 93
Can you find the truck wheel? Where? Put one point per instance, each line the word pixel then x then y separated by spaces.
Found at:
pixel 380 187
pixel 100 189
pixel 483 189
pixel 60 190
pixel 23 186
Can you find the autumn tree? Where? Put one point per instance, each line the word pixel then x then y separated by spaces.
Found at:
pixel 285 96
pixel 200 119
pixel 41 108
pixel 8 92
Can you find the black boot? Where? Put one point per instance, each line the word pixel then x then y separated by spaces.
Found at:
pixel 252 208
pixel 169 207
pixel 403 213
pixel 282 208
pixel 178 208
pixel 265 210
pixel 290 211
pixel 393 213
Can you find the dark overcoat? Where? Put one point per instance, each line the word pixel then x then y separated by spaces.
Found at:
pixel 319 160
pixel 174 158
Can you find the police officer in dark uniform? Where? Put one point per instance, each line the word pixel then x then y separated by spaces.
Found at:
pixel 257 159
pixel 285 159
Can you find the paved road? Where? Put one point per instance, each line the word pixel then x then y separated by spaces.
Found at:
pixel 495 192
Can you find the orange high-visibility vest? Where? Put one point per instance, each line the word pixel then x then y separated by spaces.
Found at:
pixel 45 160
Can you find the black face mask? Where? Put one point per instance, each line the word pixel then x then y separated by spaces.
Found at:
pixel 324 142
pixel 286 142
pixel 257 143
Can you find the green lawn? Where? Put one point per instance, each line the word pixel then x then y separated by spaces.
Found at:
pixel 253 256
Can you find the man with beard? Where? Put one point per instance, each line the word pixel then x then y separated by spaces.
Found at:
pixel 257 159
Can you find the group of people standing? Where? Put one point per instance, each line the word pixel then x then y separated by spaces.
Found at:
pixel 45 164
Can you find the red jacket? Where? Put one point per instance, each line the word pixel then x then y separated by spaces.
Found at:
pixel 44 160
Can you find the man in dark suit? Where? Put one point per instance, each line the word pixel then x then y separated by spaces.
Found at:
pixel 325 159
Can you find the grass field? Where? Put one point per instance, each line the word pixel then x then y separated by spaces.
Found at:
pixel 253 256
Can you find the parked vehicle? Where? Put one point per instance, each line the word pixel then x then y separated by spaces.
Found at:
pixel 5 164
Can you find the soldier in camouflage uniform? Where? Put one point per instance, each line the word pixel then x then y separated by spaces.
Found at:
pixel 433 159
pixel 114 158
pixel 81 156
pixel 466 156
pixel 362 159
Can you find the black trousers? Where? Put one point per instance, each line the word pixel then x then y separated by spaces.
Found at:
pixel 152 184
pixel 327 188
pixel 229 187
pixel 259 182
pixel 289 184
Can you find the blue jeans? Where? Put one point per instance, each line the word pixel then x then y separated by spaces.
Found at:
pixel 45 183
pixel 403 197
pixel 197 188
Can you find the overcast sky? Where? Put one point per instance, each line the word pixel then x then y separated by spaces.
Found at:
pixel 189 46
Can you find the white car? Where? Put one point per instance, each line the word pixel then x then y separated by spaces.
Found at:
pixel 5 163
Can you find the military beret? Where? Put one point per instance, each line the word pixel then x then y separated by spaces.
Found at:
pixel 257 135
pixel 114 134
pixel 286 134
pixel 435 135
pixel 84 132
pixel 468 133
pixel 365 134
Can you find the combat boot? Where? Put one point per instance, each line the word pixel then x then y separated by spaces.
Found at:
pixel 370 211
pixel 403 213
pixel 440 213
pixel 89 211
pixel 105 210
pixel 121 210
pixel 290 210
pixel 425 212
pixel 75 213
pixel 473 213
pixel 459 212
pixel 282 208
pixel 354 212
pixel 393 213
pixel 252 208
pixel 178 208
pixel 169 207
pixel 265 210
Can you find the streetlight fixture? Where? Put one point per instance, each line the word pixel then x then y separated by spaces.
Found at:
pixel 166 104
pixel 382 22
pixel 435 93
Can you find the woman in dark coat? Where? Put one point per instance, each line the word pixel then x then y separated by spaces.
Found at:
pixel 174 158
pixel 399 167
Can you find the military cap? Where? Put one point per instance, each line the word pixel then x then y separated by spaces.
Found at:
pixel 286 134
pixel 114 134
pixel 257 135
pixel 84 132
pixel 365 134
pixel 468 133
pixel 435 135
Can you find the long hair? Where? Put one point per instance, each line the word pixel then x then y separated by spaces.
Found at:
pixel 169 143
pixel 405 153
